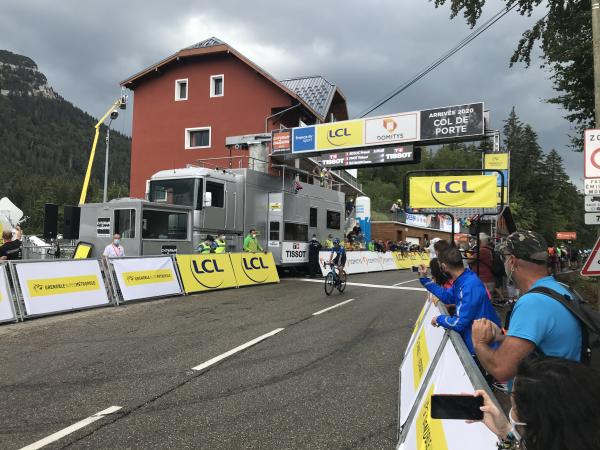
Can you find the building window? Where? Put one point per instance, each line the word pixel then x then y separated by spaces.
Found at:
pixel 217 85
pixel 313 217
pixel 295 232
pixel 274 231
pixel 197 137
pixel 218 193
pixel 181 90
pixel 333 220
pixel 125 223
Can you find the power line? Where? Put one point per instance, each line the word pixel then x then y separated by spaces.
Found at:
pixel 491 21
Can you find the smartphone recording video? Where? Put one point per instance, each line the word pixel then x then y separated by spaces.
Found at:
pixel 459 407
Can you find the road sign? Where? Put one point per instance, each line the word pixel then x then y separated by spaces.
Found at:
pixel 591 186
pixel 591 151
pixel 592 203
pixel 591 267
pixel 592 218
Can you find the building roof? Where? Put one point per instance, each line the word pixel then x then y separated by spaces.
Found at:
pixel 315 90
pixel 214 45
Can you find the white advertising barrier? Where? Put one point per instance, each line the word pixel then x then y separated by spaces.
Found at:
pixel 387 261
pixel 55 286
pixel 419 356
pixel 294 252
pixel 7 309
pixel 418 323
pixel 356 262
pixel 146 277
pixel 449 377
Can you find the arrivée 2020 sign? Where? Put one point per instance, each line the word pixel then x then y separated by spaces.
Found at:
pixel 449 123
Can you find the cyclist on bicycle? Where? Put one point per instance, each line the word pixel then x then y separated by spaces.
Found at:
pixel 340 258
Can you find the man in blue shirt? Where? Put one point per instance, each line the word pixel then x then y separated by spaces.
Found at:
pixel 537 321
pixel 467 292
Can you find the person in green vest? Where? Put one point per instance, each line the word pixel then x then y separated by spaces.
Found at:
pixel 251 244
pixel 329 242
pixel 221 244
pixel 208 246
pixel 371 246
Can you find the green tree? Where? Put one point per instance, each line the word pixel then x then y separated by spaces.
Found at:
pixel 564 36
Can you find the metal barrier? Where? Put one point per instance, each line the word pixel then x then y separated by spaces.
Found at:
pixel 451 370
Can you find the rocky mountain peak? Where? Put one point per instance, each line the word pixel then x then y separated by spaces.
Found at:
pixel 19 75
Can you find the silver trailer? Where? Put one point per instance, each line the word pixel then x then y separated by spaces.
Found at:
pixel 183 206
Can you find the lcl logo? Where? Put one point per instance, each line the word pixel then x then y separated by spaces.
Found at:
pixel 206 273
pixel 333 136
pixel 449 189
pixel 254 268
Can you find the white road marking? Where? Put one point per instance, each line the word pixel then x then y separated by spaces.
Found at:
pixel 379 286
pixel 331 307
pixel 76 426
pixel 216 359
pixel 404 282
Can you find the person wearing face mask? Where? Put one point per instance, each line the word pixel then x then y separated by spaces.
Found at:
pixel 115 249
pixel 538 323
pixel 467 292
pixel 554 406
pixel 251 244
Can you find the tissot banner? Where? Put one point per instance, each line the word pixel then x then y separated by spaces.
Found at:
pixel 55 286
pixel 471 191
pixel 370 157
pixel 452 122
pixel 146 277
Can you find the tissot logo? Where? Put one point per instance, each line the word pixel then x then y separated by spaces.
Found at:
pixel 207 273
pixel 338 137
pixel 253 268
pixel 443 192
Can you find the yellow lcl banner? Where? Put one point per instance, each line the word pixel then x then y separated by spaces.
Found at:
pixel 471 191
pixel 349 133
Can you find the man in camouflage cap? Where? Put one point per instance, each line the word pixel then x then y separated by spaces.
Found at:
pixel 537 321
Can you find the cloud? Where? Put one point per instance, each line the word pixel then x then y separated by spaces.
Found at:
pixel 367 48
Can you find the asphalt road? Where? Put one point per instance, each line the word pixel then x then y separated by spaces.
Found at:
pixel 325 381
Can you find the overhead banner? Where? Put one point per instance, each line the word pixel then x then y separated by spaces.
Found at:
pixel 281 141
pixel 7 311
pixel 419 356
pixel 452 122
pixel 448 377
pixel 56 286
pixel 370 157
pixel 470 191
pixel 206 272
pixel 146 277
pixel 254 268
pixel 392 129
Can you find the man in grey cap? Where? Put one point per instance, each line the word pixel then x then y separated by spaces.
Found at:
pixel 537 321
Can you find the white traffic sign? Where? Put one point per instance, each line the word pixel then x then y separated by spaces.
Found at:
pixel 591 150
pixel 591 267
pixel 592 218
pixel 592 203
pixel 591 186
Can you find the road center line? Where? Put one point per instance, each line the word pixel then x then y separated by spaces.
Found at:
pixel 76 426
pixel 216 359
pixel 331 307
pixel 379 286
pixel 405 282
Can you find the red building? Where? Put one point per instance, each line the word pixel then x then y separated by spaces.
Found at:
pixel 188 103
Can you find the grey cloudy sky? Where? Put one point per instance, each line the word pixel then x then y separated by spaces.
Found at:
pixel 368 48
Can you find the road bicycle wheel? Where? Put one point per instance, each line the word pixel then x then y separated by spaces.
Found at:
pixel 329 283
pixel 342 283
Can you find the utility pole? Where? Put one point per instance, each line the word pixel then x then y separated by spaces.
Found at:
pixel 596 45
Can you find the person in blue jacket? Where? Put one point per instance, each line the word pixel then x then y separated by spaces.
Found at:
pixel 467 292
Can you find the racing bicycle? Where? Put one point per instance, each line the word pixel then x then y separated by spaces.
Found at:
pixel 333 280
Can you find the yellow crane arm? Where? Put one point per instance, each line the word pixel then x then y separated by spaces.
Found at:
pixel 86 180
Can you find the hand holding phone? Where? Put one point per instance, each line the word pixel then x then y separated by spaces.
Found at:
pixel 459 407
pixel 415 268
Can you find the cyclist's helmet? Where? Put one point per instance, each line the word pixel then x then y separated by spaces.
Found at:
pixel 336 242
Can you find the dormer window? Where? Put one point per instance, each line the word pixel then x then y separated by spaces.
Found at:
pixel 217 85
pixel 181 90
